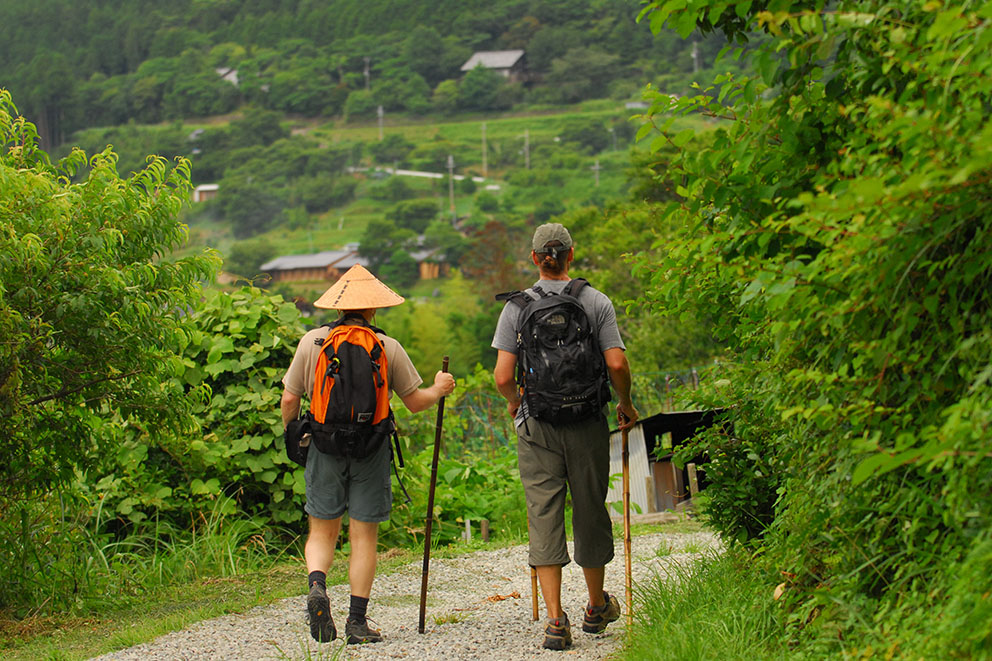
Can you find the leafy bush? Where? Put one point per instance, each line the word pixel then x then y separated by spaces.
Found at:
pixel 839 236
pixel 394 189
pixel 360 106
pixel 413 214
pixel 322 193
pixel 392 149
pixel 91 306
pixel 245 257
pixel 486 202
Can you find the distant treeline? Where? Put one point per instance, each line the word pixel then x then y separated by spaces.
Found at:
pixel 73 65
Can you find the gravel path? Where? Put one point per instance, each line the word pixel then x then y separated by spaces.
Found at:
pixel 478 607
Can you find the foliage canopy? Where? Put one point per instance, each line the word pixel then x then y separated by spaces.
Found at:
pixel 91 313
pixel 838 229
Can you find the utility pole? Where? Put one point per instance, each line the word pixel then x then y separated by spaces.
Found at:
pixel 527 148
pixel 613 134
pixel 366 73
pixel 485 172
pixel 596 168
pixel 451 187
pixel 695 56
pixel 379 111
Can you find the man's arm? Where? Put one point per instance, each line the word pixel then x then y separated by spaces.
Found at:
pixel 424 398
pixel 290 407
pixel 619 371
pixel 506 364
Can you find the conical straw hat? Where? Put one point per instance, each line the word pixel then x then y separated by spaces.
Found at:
pixel 358 289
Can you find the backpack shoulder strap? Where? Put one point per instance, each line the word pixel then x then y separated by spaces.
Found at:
pixel 521 298
pixel 575 286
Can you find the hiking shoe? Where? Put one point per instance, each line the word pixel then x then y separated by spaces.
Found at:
pixel 558 635
pixel 356 633
pixel 319 614
pixel 597 617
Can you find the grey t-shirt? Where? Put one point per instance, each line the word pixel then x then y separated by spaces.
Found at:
pixel 599 310
pixel 597 305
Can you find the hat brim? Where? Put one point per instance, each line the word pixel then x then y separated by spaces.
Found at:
pixel 358 289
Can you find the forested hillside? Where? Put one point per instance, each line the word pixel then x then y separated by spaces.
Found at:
pixel 812 225
pixel 71 65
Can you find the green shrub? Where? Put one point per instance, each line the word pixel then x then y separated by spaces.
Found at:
pixel 838 235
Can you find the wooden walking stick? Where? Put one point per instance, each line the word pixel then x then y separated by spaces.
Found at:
pixel 625 458
pixel 533 593
pixel 430 506
pixel 533 583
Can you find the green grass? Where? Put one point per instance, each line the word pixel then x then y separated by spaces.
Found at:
pixel 718 609
pixel 159 608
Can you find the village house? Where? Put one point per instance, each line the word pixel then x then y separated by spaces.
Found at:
pixel 205 192
pixel 331 264
pixel 508 63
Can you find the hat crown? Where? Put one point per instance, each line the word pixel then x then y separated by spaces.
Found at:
pixel 358 289
pixel 549 233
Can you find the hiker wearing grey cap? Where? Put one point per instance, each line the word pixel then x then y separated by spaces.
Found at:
pixel 563 441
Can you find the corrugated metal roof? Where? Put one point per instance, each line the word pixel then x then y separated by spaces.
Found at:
pixel 316 261
pixel 493 59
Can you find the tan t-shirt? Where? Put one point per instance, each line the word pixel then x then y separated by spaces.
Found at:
pixel 402 375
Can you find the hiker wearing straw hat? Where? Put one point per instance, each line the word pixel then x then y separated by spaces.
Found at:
pixel 340 480
pixel 558 345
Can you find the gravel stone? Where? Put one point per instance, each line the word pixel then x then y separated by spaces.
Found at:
pixel 478 607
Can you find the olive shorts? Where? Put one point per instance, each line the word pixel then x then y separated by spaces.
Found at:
pixel 359 486
pixel 575 456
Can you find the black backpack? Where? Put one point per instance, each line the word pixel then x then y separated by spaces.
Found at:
pixel 560 367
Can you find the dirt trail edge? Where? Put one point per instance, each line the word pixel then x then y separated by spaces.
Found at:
pixel 478 607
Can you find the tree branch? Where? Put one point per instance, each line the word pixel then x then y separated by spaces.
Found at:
pixel 70 391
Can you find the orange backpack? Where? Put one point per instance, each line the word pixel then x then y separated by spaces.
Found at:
pixel 349 409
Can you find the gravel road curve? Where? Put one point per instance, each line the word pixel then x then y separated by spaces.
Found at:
pixel 478 607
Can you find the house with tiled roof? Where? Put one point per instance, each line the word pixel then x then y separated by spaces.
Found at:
pixel 510 64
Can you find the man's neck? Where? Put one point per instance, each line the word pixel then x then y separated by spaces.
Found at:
pixel 561 276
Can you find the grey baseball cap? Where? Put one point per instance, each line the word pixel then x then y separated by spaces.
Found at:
pixel 549 232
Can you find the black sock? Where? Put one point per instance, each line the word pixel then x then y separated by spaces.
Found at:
pixel 318 577
pixel 359 605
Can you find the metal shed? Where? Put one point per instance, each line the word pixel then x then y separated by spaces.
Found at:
pixel 656 484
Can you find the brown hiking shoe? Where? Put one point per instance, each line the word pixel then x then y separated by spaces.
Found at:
pixel 597 617
pixel 355 633
pixel 558 634
pixel 319 614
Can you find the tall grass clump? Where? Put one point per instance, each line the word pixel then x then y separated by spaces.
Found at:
pixel 56 554
pixel 717 608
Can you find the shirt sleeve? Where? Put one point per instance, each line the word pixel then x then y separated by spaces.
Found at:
pixel 505 337
pixel 403 376
pixel 299 377
pixel 606 322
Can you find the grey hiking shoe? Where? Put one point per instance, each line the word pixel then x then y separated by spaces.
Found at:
pixel 558 634
pixel 597 617
pixel 355 633
pixel 319 615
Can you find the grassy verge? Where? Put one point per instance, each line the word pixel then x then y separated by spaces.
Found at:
pixel 720 608
pixel 135 619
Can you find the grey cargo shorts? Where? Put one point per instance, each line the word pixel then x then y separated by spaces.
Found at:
pixel 576 457
pixel 361 487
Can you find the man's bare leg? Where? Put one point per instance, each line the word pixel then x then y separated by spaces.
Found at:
pixel 550 578
pixel 319 549
pixel 595 577
pixel 361 566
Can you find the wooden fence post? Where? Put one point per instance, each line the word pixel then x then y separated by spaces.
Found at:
pixel 693 480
